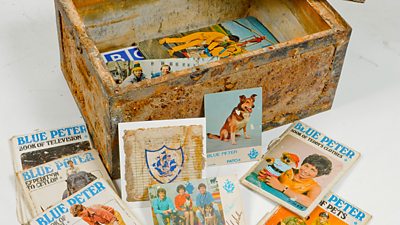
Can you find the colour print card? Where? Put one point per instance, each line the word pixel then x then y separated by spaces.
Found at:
pixel 233 126
pixel 300 168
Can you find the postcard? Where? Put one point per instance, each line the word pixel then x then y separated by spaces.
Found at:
pixel 234 126
pixel 209 201
pixel 96 203
pixel 61 177
pixel 29 150
pixel 300 168
pixel 159 152
pixel 221 40
pixel 331 210
pixel 127 72
pixel 125 54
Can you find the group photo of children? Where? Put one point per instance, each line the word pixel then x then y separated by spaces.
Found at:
pixel 187 203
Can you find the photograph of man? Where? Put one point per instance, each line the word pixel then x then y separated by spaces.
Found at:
pixel 322 219
pixel 71 169
pixel 163 208
pixel 164 70
pixel 97 214
pixel 203 199
pixel 136 76
pixel 184 205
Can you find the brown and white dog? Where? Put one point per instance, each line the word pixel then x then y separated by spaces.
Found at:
pixel 236 121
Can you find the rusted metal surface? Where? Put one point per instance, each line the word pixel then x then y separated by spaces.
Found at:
pixel 298 76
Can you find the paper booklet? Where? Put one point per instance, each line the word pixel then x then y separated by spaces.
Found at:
pixel 39 147
pixel 96 203
pixel 300 168
pixel 159 152
pixel 47 184
pixel 209 201
pixel 332 210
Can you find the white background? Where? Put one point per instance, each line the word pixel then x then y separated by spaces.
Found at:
pixel 365 114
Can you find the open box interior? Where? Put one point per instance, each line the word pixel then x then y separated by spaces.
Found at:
pixel 114 24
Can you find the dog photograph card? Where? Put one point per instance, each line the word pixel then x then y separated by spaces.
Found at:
pixel 234 126
pixel 96 204
pixel 61 178
pixel 209 201
pixel 332 209
pixel 159 152
pixel 300 168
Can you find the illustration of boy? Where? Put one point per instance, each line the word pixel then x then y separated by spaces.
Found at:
pixel 292 220
pixel 322 219
pixel 97 214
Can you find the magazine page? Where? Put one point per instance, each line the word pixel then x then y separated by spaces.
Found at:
pixel 209 201
pixel 36 148
pixel 60 177
pixel 159 152
pixel 332 209
pixel 220 40
pixel 96 203
pixel 300 168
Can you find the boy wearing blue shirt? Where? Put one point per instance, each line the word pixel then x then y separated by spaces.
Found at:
pixel 163 207
pixel 205 198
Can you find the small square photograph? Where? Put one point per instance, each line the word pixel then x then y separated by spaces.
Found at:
pixel 234 126
pixel 210 201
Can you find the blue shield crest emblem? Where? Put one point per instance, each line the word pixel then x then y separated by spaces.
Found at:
pixel 165 164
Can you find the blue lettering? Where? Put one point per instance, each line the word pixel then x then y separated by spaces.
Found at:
pixel 41 221
pixel 299 127
pixel 33 138
pixel 37 172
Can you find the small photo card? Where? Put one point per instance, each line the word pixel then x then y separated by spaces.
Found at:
pixel 159 152
pixel 210 201
pixel 234 126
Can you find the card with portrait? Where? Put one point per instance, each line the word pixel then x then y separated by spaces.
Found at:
pixel 300 168
pixel 331 210
pixel 209 201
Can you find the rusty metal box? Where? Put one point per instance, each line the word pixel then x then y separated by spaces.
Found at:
pixel 298 76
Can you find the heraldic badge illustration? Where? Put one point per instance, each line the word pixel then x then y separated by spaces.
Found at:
pixel 165 164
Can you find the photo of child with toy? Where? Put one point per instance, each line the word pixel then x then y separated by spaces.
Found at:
pixel 294 172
